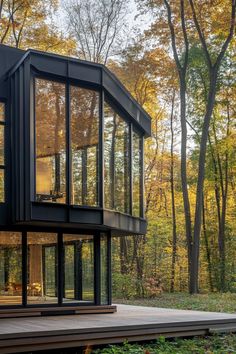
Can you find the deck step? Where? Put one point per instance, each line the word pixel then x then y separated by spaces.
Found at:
pixel 223 329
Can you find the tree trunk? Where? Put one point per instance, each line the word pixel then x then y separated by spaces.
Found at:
pixel 221 236
pixel 174 233
pixel 187 212
pixel 200 184
pixel 208 253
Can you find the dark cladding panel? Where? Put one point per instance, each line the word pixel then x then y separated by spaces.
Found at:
pixel 48 212
pixel 125 223
pixel 9 57
pixel 20 119
pixel 50 65
pixel 84 72
pixel 81 216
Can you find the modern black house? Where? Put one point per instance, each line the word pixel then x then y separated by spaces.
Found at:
pixel 71 177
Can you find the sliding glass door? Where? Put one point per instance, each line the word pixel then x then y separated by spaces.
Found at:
pixel 78 268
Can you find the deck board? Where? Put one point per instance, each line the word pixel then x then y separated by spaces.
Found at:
pixel 129 322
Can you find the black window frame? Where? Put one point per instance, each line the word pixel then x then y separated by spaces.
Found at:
pixel 104 97
pixel 68 166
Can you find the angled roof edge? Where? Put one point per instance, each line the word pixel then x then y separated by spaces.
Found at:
pixel 83 62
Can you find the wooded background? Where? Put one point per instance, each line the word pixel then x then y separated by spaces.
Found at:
pixel 178 59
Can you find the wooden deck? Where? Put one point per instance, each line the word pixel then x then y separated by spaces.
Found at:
pixel 132 323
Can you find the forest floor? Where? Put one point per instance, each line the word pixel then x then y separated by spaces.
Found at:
pixel 216 302
pixel 216 344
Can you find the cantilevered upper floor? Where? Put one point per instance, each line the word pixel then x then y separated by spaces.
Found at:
pixel 71 145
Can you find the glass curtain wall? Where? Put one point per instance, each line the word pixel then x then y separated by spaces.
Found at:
pixel 10 268
pixel 51 145
pixel 77 273
pixel 116 161
pixel 50 141
pixel 84 127
pixel 52 150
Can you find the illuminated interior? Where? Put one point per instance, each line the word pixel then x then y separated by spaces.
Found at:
pixel 42 259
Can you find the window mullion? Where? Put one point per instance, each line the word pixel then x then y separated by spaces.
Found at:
pixel 68 146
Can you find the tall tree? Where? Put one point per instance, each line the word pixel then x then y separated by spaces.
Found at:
pixel 25 24
pixel 96 26
pixel 190 22
pixel 213 64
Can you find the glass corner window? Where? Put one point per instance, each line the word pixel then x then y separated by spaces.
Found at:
pixel 2 152
pixel 67 148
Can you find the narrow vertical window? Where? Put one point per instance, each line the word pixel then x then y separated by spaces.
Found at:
pixel 50 141
pixel 136 165
pixel 104 269
pixel 2 152
pixel 116 161
pixel 84 127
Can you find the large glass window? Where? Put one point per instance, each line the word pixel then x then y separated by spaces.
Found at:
pixel 10 268
pixel 136 165
pixel 84 122
pixel 2 152
pixel 77 273
pixel 78 268
pixel 50 141
pixel 52 150
pixel 116 161
pixel 42 268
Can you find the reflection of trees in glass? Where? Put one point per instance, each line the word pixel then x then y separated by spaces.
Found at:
pixel 84 144
pixel 136 164
pixel 104 269
pixel 88 270
pixel 42 267
pixel 2 188
pixel 78 267
pixel 69 271
pixel 50 141
pixel 2 112
pixel 10 266
pixel 50 261
pixel 116 161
